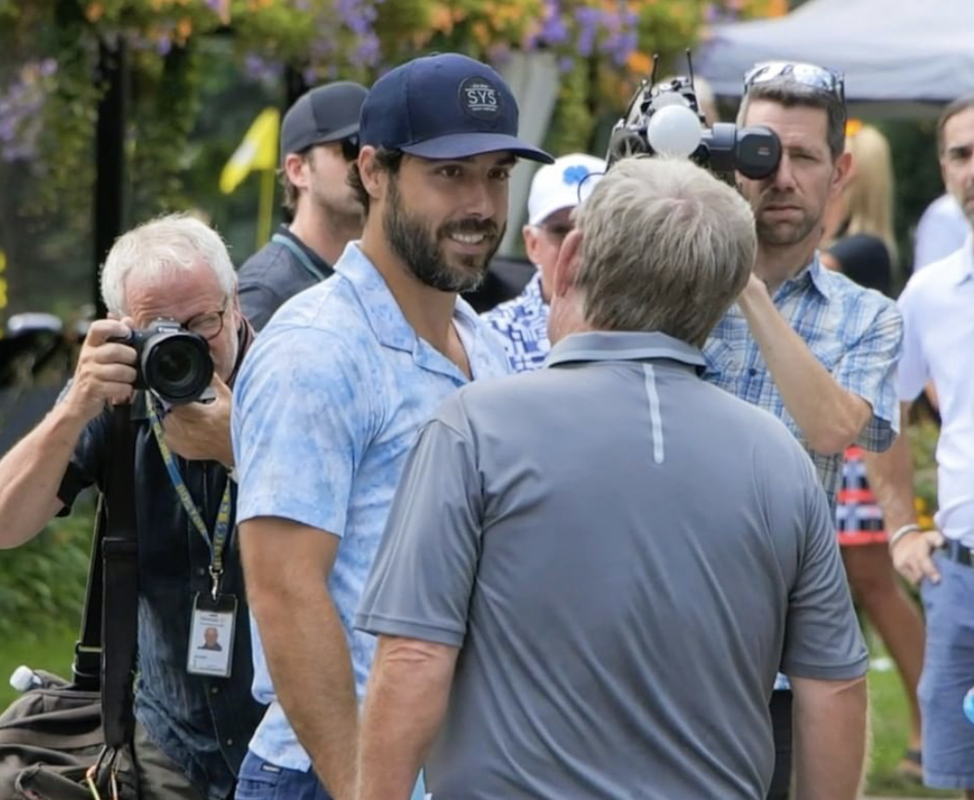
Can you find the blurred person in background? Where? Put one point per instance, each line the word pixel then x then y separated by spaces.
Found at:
pixel 938 347
pixel 523 321
pixel 319 139
pixel 861 244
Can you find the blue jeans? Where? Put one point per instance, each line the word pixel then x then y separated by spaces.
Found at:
pixel 261 780
pixel 948 672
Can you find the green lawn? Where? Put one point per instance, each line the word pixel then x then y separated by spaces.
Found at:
pixel 52 650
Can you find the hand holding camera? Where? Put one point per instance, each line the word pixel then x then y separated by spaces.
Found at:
pixel 106 369
pixel 201 431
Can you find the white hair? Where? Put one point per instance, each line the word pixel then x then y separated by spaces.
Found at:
pixel 158 248
pixel 665 247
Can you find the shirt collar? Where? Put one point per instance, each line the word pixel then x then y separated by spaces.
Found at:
pixel 380 307
pixel 965 271
pixel 623 346
pixel 815 274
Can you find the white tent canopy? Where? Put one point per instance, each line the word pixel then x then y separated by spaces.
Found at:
pixel 899 54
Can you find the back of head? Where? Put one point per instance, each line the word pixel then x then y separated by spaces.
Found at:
pixel 870 202
pixel 799 85
pixel 666 247
pixel 160 247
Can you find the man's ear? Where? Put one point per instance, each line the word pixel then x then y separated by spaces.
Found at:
pixel 373 177
pixel 841 173
pixel 566 265
pixel 295 171
pixel 530 235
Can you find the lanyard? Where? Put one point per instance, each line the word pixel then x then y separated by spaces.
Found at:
pixel 222 530
pixel 299 254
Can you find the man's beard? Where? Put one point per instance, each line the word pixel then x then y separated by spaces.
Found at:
pixel 783 233
pixel 423 254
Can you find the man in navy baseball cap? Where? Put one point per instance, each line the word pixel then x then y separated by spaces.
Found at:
pixel 369 355
pixel 444 106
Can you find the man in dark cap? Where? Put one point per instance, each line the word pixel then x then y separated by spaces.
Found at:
pixel 319 138
pixel 339 384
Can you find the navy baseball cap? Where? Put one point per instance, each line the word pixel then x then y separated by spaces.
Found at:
pixel 327 113
pixel 444 106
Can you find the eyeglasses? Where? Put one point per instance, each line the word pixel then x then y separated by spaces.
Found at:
pixel 587 185
pixel 209 325
pixel 811 75
pixel 350 147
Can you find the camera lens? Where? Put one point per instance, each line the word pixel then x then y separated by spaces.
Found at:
pixel 177 367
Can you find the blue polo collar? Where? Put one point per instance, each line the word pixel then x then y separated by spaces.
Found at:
pixel 380 307
pixel 623 346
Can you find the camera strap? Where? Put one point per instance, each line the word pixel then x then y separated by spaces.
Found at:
pixel 217 542
pixel 299 254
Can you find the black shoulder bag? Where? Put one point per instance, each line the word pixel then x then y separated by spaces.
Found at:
pixel 64 740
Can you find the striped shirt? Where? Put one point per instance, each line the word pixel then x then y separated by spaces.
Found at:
pixel 855 333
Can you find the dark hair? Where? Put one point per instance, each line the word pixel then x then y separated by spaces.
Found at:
pixel 790 93
pixel 388 160
pixel 954 108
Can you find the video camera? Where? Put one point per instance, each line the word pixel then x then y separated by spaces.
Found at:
pixel 665 119
pixel 173 363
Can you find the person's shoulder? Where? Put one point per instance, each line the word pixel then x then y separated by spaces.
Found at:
pixel 860 306
pixel 929 284
pixel 268 260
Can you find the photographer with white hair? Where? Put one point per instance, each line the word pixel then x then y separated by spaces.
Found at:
pixel 169 276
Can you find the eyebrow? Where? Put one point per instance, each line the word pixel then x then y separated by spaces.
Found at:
pixel 959 150
pixel 508 160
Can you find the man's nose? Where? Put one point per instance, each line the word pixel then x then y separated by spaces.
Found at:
pixel 784 176
pixel 479 200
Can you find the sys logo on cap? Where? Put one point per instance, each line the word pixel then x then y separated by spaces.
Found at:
pixel 479 98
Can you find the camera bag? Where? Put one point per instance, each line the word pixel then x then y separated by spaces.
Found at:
pixel 59 734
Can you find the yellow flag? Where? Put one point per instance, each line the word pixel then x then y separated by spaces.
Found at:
pixel 257 151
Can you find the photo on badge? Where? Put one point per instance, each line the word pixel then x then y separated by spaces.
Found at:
pixel 211 636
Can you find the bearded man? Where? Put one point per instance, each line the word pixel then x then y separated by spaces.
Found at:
pixel 338 386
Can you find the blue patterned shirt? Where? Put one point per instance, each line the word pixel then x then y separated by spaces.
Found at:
pixel 523 324
pixel 327 405
pixel 855 333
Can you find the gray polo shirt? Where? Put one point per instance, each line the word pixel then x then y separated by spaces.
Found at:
pixel 626 556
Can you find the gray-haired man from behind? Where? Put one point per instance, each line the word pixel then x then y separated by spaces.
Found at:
pixel 616 639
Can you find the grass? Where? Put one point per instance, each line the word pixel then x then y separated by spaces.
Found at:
pixel 51 649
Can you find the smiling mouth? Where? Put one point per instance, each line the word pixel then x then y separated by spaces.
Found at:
pixel 469 239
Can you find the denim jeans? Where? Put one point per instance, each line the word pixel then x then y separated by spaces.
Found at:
pixel 261 780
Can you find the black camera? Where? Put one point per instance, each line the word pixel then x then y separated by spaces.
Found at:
pixel 173 363
pixel 665 118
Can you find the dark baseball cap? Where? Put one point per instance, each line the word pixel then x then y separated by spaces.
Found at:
pixel 444 106
pixel 327 113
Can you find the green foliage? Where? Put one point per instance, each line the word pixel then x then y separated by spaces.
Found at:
pixel 42 583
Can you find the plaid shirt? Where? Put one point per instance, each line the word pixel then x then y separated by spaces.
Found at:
pixel 523 323
pixel 855 333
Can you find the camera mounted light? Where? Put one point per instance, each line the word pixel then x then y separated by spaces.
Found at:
pixel 674 130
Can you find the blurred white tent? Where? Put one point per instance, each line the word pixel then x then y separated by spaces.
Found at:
pixel 902 57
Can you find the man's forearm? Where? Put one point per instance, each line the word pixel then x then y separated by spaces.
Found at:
pixel 830 738
pixel 307 654
pixel 405 702
pixel 890 475
pixel 830 417
pixel 31 474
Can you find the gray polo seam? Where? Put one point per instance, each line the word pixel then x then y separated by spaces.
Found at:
pixel 655 417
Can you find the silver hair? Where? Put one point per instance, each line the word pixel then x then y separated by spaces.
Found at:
pixel 665 247
pixel 160 247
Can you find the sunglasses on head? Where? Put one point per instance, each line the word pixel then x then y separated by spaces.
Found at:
pixel 811 75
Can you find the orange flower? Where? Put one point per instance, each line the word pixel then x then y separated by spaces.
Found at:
pixel 94 11
pixel 640 63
